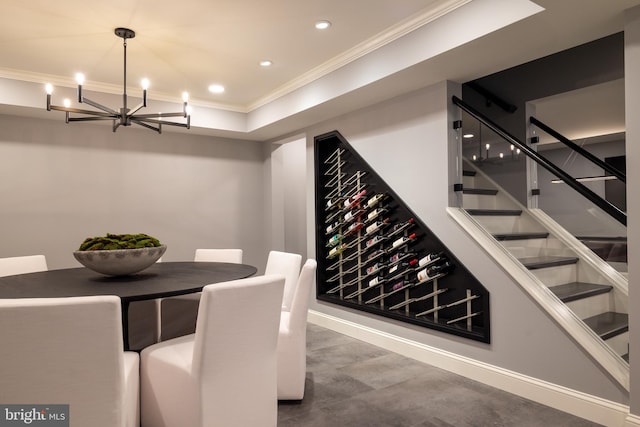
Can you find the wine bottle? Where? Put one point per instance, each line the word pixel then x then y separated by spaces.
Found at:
pixel 333 202
pixel 430 259
pixel 398 285
pixel 333 227
pixel 374 213
pixel 375 199
pixel 376 226
pixel 376 281
pixel 402 265
pixel 402 225
pixel 348 216
pixel 335 239
pixel 399 255
pixel 374 241
pixel 353 228
pixel 375 267
pixel 351 200
pixel 337 250
pixel 375 254
pixel 403 240
pixel 431 272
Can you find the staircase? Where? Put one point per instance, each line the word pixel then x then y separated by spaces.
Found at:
pixel 592 290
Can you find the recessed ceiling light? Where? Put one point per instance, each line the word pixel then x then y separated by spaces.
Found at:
pixel 323 25
pixel 266 63
pixel 216 88
pixel 467 135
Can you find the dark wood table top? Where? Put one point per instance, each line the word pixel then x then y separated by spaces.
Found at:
pixel 162 279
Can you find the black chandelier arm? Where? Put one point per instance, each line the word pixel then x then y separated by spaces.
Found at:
pixel 148 126
pixel 88 119
pixel 138 107
pixel 158 121
pixel 98 106
pixel 157 115
pixel 113 115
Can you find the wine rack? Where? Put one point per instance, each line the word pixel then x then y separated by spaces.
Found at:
pixel 375 255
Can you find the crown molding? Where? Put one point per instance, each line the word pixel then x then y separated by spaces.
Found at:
pixel 393 33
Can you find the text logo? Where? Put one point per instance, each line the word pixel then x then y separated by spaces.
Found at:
pixel 34 415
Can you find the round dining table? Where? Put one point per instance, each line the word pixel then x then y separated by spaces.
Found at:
pixel 162 279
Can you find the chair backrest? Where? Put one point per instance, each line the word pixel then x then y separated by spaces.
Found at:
pixel 287 264
pixel 66 351
pixel 235 351
pixel 219 255
pixel 300 303
pixel 22 265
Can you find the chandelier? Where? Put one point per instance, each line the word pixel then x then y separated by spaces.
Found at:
pixel 124 116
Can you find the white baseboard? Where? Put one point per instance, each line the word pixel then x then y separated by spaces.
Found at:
pixel 632 421
pixel 574 402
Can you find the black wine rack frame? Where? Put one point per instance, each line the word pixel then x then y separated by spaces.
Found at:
pixel 368 244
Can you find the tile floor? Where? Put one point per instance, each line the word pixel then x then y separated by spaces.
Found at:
pixel 352 383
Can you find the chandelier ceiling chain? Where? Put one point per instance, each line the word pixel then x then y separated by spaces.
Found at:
pixel 125 116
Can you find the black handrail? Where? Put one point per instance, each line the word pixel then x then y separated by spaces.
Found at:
pixel 606 206
pixel 566 141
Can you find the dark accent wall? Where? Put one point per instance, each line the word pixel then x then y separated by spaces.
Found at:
pixel 586 65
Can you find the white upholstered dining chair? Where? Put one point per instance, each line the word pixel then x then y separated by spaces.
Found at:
pixel 69 351
pixel 287 264
pixel 22 264
pixel 178 314
pixel 225 373
pixel 292 338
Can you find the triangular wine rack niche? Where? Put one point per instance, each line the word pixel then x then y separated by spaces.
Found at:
pixel 369 245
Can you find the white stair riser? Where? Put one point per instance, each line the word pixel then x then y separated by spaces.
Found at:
pixel 560 275
pixel 478 201
pixel 592 306
pixel 536 247
pixel 619 343
pixel 498 224
pixel 469 181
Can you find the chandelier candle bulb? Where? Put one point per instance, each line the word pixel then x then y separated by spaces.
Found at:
pixel 145 86
pixel 80 81
pixel 49 89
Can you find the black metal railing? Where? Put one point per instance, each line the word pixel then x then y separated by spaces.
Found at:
pixel 603 204
pixel 584 153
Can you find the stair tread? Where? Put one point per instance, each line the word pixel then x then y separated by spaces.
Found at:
pixel 533 263
pixel 494 212
pixel 521 236
pixel 578 290
pixel 480 191
pixel 468 173
pixel 608 325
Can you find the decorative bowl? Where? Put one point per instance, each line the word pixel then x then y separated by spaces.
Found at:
pixel 120 262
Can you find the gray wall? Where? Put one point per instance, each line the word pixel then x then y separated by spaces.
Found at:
pixel 405 141
pixel 61 183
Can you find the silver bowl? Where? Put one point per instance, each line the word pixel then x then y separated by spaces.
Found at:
pixel 120 262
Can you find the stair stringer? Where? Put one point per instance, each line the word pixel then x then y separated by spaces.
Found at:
pixel 584 336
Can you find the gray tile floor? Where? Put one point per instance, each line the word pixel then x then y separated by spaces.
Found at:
pixel 352 383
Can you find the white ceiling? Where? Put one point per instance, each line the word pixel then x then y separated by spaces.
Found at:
pixel 372 51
